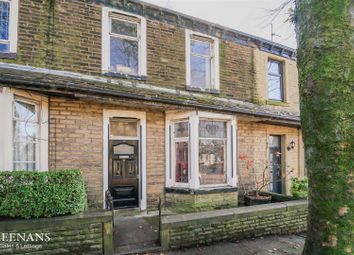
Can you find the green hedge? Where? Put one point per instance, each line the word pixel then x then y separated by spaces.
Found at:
pixel 28 194
pixel 299 187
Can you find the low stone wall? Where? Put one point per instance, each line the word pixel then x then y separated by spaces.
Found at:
pixel 237 223
pixel 200 200
pixel 86 233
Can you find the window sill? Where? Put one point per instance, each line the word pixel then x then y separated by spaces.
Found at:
pixel 8 55
pixel 276 103
pixel 180 190
pixel 126 76
pixel 196 89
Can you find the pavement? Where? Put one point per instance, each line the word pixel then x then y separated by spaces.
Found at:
pixel 271 245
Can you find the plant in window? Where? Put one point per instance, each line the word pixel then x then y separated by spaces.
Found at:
pixel 254 180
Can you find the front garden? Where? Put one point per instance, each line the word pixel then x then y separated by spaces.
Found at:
pixel 46 212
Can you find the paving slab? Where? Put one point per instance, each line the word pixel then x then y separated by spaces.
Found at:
pixel 271 245
pixel 135 233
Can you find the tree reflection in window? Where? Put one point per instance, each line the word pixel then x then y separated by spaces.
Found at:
pixel 200 63
pixel 4 26
pixel 212 152
pixel 275 80
pixel 124 46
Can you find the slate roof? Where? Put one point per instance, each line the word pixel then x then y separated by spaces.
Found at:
pixel 51 81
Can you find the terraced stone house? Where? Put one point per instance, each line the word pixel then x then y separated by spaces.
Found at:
pixel 147 102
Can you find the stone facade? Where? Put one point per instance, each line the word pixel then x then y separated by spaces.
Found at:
pixel 187 202
pixel 233 224
pixel 66 35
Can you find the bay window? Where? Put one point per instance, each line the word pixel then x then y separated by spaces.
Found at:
pixel 212 152
pixel 24 130
pixel 200 151
pixel 25 135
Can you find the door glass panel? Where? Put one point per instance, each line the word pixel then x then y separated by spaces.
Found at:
pixel 123 127
pixel 275 163
pixel 117 168
pixel 124 149
pixel 131 168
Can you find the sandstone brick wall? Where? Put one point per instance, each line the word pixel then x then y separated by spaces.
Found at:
pixel 76 141
pixel 233 224
pixel 61 34
pixel 165 55
pixel 253 143
pixel 155 149
pixel 184 203
pixel 66 35
pixel 237 71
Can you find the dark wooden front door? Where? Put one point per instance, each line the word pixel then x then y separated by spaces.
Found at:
pixel 124 173
pixel 275 161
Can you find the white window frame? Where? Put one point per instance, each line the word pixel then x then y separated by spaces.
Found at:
pixel 173 152
pixel 227 154
pixel 36 122
pixel 141 117
pixel 7 98
pixel 194 117
pixel 141 37
pixel 214 65
pixel 281 76
pixel 13 24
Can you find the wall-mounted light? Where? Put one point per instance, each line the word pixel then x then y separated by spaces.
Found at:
pixel 291 145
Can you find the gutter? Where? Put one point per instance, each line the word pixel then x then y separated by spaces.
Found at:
pixel 105 92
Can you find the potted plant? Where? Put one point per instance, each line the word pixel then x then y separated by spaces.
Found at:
pixel 258 181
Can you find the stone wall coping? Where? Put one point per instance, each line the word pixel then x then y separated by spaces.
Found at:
pixel 58 221
pixel 239 212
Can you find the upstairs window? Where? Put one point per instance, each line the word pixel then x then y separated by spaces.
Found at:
pixel 275 80
pixel 124 43
pixel 202 61
pixel 8 25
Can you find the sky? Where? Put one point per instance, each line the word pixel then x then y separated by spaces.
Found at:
pixel 249 16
